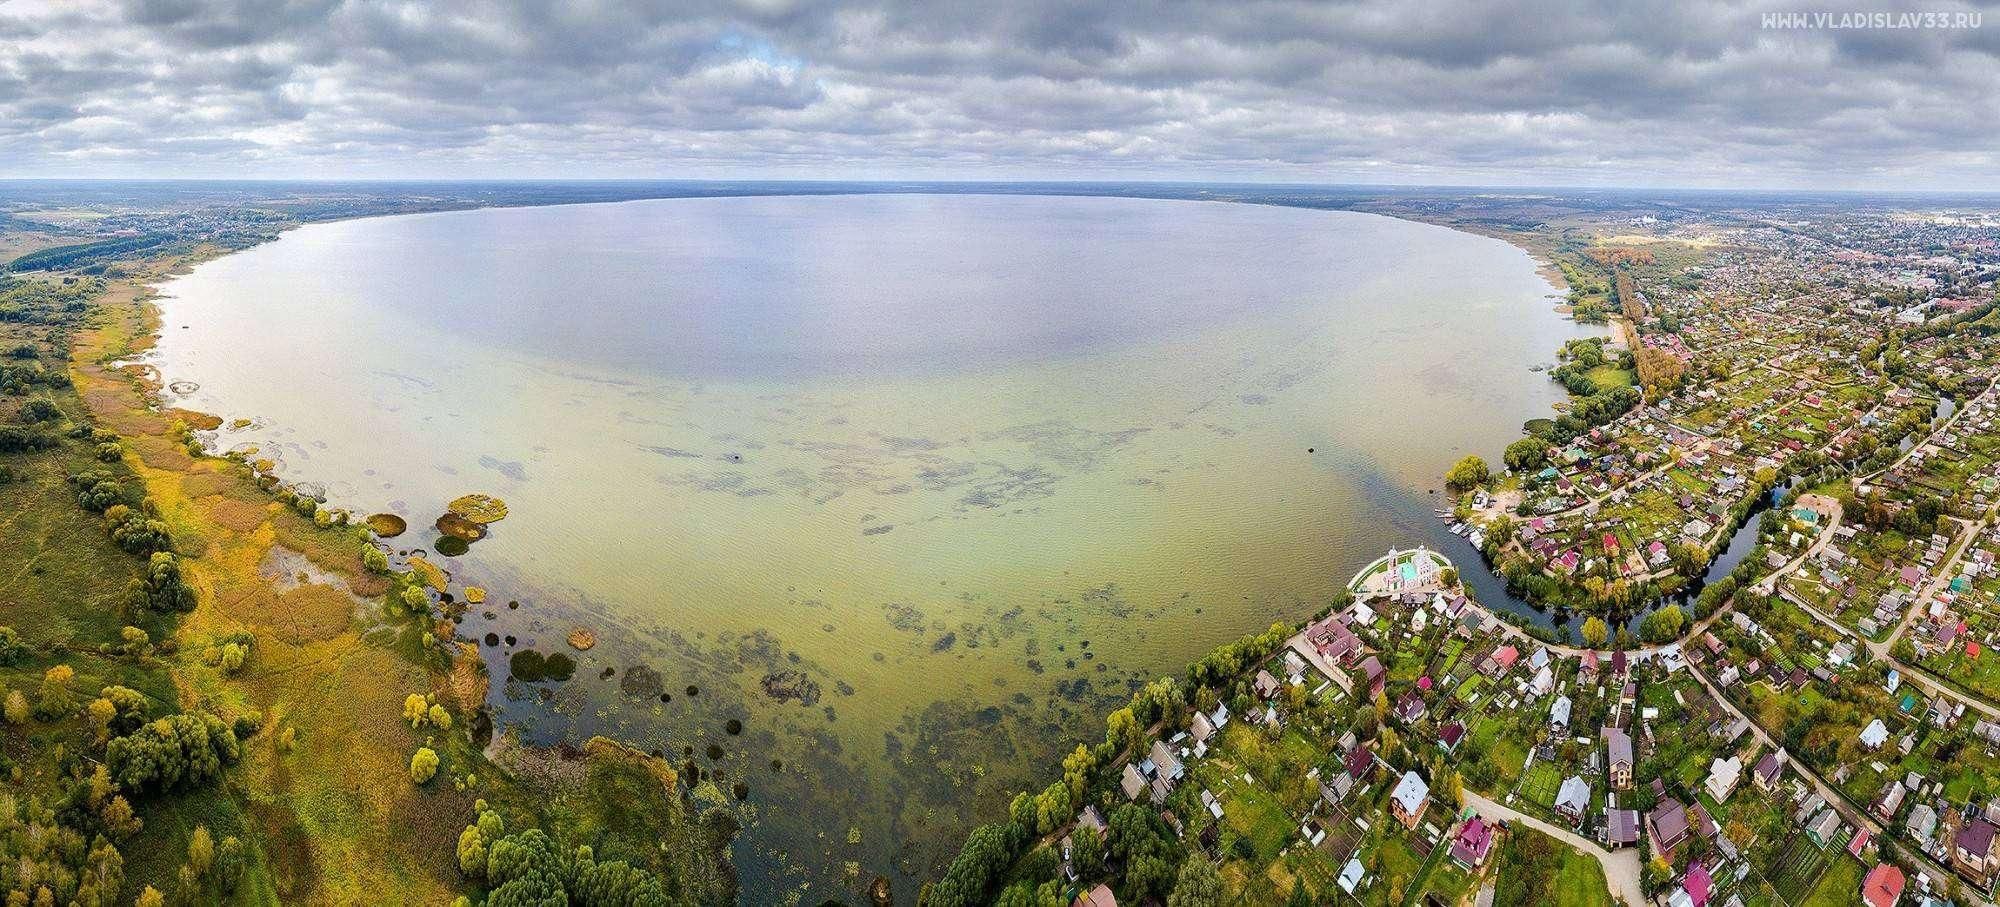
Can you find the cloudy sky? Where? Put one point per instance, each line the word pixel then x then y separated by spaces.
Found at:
pixel 1410 91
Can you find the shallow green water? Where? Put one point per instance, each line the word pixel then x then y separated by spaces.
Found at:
pixel 970 466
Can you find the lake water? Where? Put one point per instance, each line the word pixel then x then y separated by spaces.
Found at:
pixel 958 470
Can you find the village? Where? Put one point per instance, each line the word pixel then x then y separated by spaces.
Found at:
pixel 1789 445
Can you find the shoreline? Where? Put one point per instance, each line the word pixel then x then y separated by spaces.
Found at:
pixel 1544 268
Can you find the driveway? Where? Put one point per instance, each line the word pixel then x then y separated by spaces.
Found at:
pixel 1621 867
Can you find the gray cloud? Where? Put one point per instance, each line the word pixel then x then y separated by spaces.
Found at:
pixel 1421 91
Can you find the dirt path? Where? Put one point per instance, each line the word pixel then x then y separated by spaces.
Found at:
pixel 1621 867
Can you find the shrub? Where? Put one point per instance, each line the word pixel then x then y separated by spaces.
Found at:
pixel 471 852
pixel 17 707
pixel 40 409
pixel 423 765
pixel 201 850
pixel 11 649
pixel 162 589
pixel 374 559
pixel 56 701
pixel 175 751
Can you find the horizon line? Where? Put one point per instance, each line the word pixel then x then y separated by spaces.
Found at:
pixel 1024 181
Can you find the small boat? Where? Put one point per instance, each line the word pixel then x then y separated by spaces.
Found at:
pixel 1443 514
pixel 1458 529
pixel 1477 538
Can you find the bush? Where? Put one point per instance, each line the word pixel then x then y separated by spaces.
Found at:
pixel 374 559
pixel 175 751
pixel 11 649
pixel 423 765
pixel 471 852
pixel 40 409
pixel 56 701
pixel 162 588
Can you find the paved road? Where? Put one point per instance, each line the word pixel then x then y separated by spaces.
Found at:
pixel 1622 867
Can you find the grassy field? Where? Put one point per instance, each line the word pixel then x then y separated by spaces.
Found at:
pixel 1535 870
pixel 320 792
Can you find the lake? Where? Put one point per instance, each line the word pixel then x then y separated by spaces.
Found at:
pixel 916 487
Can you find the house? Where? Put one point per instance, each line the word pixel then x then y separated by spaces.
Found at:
pixel 1972 850
pixel 1617 758
pixel 1336 789
pixel 1668 825
pixel 1473 841
pixel 1099 896
pixel 1573 798
pixel 1723 776
pixel 1449 737
pixel 1695 889
pixel 1501 661
pixel 1410 708
pixel 1921 824
pixel 1874 735
pixel 1770 770
pixel 1131 782
pixel 1621 827
pixel 1350 875
pixel 1360 763
pixel 1371 670
pixel 1559 714
pixel 1408 800
pixel 1265 685
pixel 1883 887
pixel 1823 828
pixel 1201 728
pixel 1165 763
pixel 1544 682
pixel 1890 800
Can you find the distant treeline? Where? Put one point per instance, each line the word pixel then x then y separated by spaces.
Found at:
pixel 84 253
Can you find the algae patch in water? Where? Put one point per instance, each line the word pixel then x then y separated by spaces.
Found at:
pixel 479 508
pixel 530 666
pixel 458 527
pixel 451 546
pixel 387 525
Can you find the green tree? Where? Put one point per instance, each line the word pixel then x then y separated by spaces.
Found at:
pixel 175 751
pixel 1199 885
pixel 471 852
pixel 1595 632
pixel 1525 455
pixel 162 587
pixel 56 701
pixel 119 821
pixel 1022 810
pixel 201 850
pixel 1664 625
pixel 1468 472
pixel 12 652
pixel 17 710
pixel 229 863
pixel 423 765
pixel 1087 852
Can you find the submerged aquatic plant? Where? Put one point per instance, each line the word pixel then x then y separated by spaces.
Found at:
pixel 479 508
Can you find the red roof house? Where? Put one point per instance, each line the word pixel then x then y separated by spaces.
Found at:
pixel 1883 887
